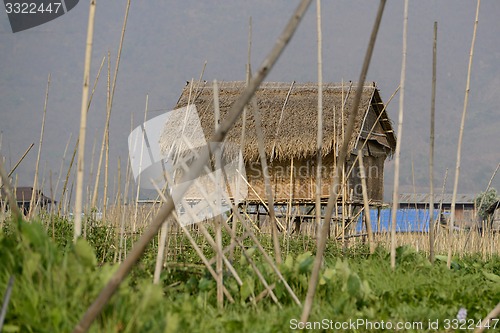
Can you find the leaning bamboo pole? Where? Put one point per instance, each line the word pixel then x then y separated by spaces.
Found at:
pixel 20 160
pixel 7 188
pixel 103 142
pixel 431 149
pixel 34 192
pixel 398 143
pixel 234 113
pixel 83 123
pixel 486 322
pixel 319 138
pixel 460 138
pixel 313 280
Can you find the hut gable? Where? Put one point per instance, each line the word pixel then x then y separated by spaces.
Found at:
pixel 289 116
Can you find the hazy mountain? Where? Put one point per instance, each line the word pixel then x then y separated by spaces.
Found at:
pixel 167 43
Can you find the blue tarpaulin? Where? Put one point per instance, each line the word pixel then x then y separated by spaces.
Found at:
pixel 408 220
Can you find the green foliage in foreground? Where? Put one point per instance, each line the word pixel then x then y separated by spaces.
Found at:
pixel 55 282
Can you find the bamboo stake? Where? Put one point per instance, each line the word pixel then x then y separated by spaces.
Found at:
pixel 118 56
pixel 83 123
pixel 20 160
pixel 234 113
pixel 313 280
pixel 6 300
pixel 241 161
pixel 365 201
pixel 431 152
pixel 460 138
pixel 290 199
pixel 161 252
pixel 267 180
pixel 319 138
pixel 218 223
pixel 137 192
pixel 34 193
pixel 398 143
pixel 103 142
pixel 486 323
pixel 78 141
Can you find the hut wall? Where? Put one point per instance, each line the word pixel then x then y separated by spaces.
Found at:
pixel 301 185
pixel 303 181
pixel 374 170
pixel 495 223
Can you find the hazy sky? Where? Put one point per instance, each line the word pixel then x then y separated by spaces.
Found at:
pixel 167 43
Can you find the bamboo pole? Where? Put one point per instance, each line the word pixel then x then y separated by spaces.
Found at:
pixel 34 193
pixel 398 143
pixel 267 180
pixel 313 280
pixel 241 161
pixel 218 223
pixel 365 202
pixel 161 252
pixel 460 138
pixel 83 123
pixel 5 301
pixel 106 146
pixel 486 322
pixel 234 113
pixel 118 56
pixel 78 141
pixel 103 142
pixel 138 188
pixel 319 138
pixel 431 152
pixel 20 160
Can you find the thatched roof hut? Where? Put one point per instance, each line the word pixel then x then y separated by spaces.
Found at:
pixel 289 122
pixel 24 197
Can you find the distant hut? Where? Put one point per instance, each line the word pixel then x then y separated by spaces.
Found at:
pixel 23 197
pixel 289 122
pixel 465 209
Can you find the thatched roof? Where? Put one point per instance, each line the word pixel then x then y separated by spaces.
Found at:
pixel 289 116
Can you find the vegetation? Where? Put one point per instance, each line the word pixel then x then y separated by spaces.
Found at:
pixel 56 280
pixel 484 201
